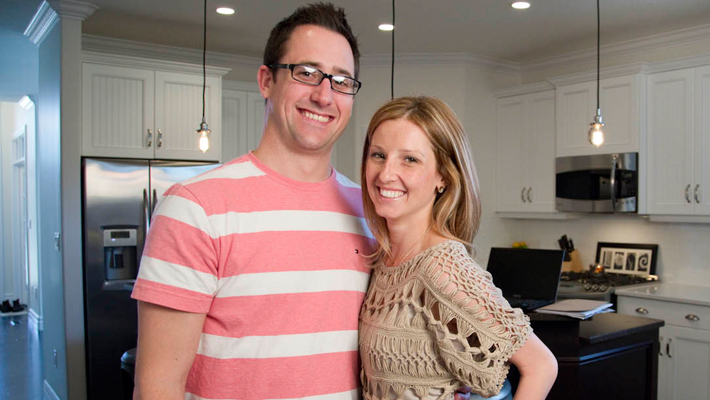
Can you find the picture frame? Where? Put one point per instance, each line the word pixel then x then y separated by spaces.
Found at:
pixel 627 258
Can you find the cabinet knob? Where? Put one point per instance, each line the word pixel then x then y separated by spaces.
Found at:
pixel 529 198
pixel 697 196
pixel 149 138
pixel 522 195
pixel 692 317
pixel 642 310
pixel 687 194
pixel 160 138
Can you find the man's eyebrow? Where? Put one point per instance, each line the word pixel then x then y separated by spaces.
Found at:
pixel 338 70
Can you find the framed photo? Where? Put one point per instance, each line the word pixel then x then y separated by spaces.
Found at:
pixel 628 258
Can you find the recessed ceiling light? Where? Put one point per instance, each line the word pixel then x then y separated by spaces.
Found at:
pixel 225 11
pixel 521 5
pixel 386 27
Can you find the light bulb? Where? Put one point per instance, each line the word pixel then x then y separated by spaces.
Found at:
pixel 204 142
pixel 386 27
pixel 596 134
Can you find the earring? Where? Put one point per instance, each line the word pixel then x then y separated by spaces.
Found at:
pixel 441 189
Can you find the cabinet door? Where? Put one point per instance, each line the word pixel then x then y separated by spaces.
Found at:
pixel 255 119
pixel 576 107
pixel 701 189
pixel 670 142
pixel 234 123
pixel 539 151
pixel 117 111
pixel 687 364
pixel 178 113
pixel 511 154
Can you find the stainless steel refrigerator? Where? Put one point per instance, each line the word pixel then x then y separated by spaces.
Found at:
pixel 119 197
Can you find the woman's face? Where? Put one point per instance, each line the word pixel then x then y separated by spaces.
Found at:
pixel 401 174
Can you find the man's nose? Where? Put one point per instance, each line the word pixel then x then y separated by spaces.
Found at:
pixel 323 93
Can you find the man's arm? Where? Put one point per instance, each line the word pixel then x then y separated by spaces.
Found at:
pixel 167 344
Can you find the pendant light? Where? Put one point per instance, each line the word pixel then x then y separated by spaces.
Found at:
pixel 392 78
pixel 596 134
pixel 204 131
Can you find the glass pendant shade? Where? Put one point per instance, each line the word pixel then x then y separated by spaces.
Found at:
pixel 204 143
pixel 596 134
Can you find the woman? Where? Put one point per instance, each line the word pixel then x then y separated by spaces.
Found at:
pixel 432 320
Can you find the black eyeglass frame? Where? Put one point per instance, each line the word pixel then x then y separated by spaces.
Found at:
pixel 323 76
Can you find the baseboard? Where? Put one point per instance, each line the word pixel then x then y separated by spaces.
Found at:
pixel 48 392
pixel 36 319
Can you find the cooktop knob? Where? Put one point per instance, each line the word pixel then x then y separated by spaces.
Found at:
pixel 603 288
pixel 595 288
pixel 587 286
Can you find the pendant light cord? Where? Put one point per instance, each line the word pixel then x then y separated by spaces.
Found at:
pixel 392 80
pixel 598 51
pixel 204 56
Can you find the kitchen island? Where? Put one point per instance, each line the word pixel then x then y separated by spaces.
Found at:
pixel 609 356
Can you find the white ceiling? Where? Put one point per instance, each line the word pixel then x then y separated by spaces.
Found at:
pixel 487 28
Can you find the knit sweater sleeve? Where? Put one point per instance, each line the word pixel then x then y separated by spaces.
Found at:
pixel 476 329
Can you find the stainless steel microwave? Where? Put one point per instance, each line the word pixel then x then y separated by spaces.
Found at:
pixel 604 183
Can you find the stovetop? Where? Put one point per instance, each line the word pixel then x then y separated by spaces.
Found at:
pixel 601 281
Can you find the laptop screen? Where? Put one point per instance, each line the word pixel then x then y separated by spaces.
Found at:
pixel 526 273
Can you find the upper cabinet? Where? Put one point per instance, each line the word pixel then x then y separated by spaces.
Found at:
pixel 526 156
pixel 620 101
pixel 678 159
pixel 242 118
pixel 144 112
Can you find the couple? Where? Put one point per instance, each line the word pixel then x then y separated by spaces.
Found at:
pixel 255 275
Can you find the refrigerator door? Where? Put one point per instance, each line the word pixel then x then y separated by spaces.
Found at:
pixel 164 174
pixel 115 209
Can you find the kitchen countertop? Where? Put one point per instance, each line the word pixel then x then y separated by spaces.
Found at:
pixel 677 292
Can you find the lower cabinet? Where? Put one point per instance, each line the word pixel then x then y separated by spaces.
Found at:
pixel 684 351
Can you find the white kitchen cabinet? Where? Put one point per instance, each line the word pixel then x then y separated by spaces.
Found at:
pixel 133 112
pixel 684 353
pixel 242 118
pixel 678 161
pixel 621 105
pixel 526 158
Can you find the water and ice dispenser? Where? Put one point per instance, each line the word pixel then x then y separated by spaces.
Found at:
pixel 120 253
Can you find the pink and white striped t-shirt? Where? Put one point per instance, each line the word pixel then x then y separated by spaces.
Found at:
pixel 278 267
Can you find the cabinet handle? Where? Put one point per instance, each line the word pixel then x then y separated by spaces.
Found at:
pixel 642 310
pixel 529 198
pixel 692 317
pixel 660 347
pixel 668 348
pixel 149 138
pixel 160 138
pixel 697 197
pixel 687 194
pixel 522 195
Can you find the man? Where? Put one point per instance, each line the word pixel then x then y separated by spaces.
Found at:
pixel 253 273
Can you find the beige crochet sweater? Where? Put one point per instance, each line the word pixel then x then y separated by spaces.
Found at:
pixel 436 323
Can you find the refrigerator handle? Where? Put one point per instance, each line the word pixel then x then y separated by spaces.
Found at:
pixel 614 161
pixel 146 210
pixel 155 203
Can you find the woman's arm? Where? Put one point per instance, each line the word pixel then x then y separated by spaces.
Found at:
pixel 167 344
pixel 538 369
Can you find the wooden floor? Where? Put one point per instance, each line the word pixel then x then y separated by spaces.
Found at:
pixel 20 360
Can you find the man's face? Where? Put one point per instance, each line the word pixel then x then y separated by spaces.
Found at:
pixel 303 118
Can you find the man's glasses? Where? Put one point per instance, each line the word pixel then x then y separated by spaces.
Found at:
pixel 313 76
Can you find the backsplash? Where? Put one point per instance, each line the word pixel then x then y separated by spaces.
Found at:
pixel 684 248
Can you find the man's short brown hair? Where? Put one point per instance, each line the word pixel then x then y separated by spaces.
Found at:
pixel 324 15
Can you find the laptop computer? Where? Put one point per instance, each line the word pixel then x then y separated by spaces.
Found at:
pixel 528 278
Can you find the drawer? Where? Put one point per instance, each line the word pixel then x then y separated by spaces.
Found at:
pixel 674 313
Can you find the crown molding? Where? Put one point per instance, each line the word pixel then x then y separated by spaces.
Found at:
pixel 100 44
pixel 609 72
pixel 73 9
pixel 385 60
pixel 524 89
pixel 623 49
pixel 41 24
pixel 141 62
pixel 680 63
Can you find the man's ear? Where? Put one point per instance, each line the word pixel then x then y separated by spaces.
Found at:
pixel 265 79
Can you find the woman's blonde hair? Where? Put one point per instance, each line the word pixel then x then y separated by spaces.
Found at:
pixel 457 211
